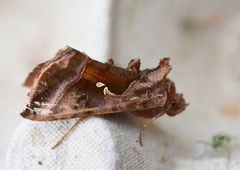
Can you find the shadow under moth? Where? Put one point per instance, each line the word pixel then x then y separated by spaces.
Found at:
pixel 72 85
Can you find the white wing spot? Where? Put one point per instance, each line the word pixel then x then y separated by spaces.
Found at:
pixel 100 84
pixel 37 103
pixel 106 91
pixel 134 98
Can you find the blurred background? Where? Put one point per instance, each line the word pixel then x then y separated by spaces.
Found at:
pixel 202 38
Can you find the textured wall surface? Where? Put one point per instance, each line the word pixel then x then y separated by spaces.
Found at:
pixel 201 37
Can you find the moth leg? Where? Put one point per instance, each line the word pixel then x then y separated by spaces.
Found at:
pixel 144 126
pixel 80 119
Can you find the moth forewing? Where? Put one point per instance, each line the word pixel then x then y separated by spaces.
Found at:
pixel 32 76
pixel 129 105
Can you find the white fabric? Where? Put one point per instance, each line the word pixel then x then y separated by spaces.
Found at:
pixel 98 142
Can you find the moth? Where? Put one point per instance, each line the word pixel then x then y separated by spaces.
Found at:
pixel 72 85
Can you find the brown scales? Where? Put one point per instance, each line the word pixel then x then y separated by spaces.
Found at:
pixel 72 85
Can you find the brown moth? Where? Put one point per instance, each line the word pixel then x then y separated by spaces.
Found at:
pixel 72 85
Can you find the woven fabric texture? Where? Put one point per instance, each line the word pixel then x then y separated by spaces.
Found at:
pixel 98 142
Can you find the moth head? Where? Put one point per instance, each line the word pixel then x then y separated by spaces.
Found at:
pixel 177 105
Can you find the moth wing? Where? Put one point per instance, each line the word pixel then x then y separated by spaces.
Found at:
pixel 158 74
pixel 130 104
pixel 36 71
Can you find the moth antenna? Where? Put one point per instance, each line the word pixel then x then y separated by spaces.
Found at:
pixel 80 119
pixel 144 126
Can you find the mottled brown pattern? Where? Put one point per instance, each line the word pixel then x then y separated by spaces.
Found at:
pixel 29 81
pixel 65 87
pixel 134 65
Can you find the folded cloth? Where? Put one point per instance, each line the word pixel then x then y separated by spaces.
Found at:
pixel 98 142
